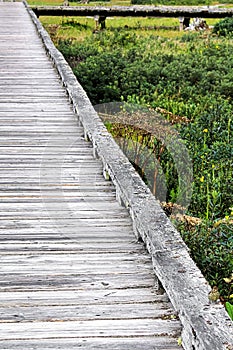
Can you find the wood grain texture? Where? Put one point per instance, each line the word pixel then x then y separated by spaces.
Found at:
pixel 134 11
pixel 72 274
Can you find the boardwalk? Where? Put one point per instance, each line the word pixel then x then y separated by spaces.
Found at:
pixel 135 11
pixel 72 274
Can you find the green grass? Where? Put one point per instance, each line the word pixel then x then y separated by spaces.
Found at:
pixel 92 3
pixel 79 28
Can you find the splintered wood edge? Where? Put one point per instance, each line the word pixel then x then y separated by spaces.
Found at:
pixel 205 325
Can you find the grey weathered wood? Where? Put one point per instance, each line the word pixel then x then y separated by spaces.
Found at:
pixel 84 312
pixel 72 274
pixel 150 343
pixel 134 11
pixel 205 325
pixel 90 328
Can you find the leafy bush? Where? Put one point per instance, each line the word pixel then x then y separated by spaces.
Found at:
pixel 224 27
pixel 211 248
pixel 101 87
pixel 115 65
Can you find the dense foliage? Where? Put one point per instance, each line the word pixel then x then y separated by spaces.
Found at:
pixel 190 76
pixel 211 247
pixel 196 84
pixel 224 27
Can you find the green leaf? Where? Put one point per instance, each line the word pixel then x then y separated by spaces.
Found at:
pixel 229 308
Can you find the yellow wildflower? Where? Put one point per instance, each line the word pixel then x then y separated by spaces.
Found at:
pixel 179 341
pixel 202 179
pixel 205 130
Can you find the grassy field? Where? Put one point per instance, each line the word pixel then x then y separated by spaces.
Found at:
pixel 93 3
pixel 79 28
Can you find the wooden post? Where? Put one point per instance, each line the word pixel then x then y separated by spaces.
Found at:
pixel 96 19
pixel 181 20
pixel 184 22
pixel 100 22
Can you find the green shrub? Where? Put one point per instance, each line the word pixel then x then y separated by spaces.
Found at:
pixel 224 27
pixel 116 65
pixel 211 247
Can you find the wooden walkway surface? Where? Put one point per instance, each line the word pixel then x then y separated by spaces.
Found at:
pixel 72 275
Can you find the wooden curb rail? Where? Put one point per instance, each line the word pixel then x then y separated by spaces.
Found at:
pixel 205 326
pixel 134 11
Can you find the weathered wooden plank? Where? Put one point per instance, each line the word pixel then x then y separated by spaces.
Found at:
pixel 84 211
pixel 38 150
pixel 85 232
pixel 23 59
pixel 66 187
pixel 39 130
pixel 31 82
pixel 149 343
pixel 79 312
pixel 47 170
pixel 59 281
pixel 8 247
pixel 90 328
pixel 29 94
pixel 134 11
pixel 38 142
pixel 73 268
pixel 81 237
pixel 34 177
pixel 81 297
pixel 89 258
pixel 55 184
pixel 109 195
pixel 18 119
pixel 25 89
pixel 44 74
